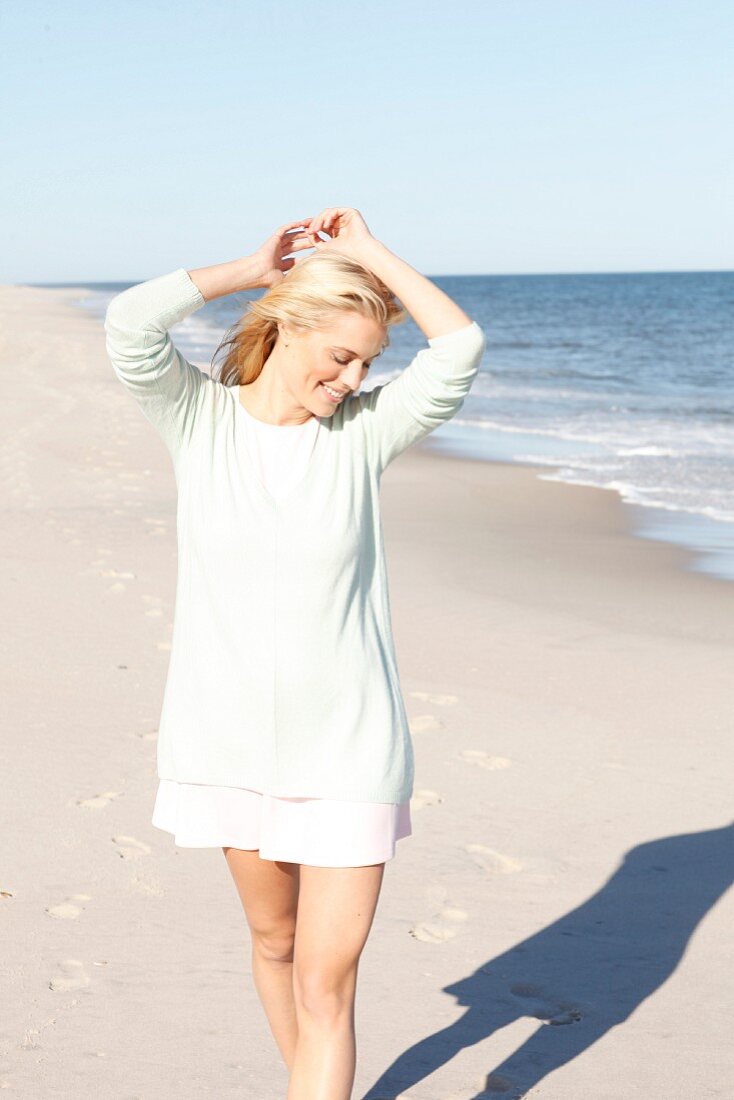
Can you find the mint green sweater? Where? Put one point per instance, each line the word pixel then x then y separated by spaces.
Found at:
pixel 283 675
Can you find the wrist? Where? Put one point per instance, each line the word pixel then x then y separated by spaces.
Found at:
pixel 370 250
pixel 230 277
pixel 248 273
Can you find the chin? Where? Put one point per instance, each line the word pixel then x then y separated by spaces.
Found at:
pixel 329 407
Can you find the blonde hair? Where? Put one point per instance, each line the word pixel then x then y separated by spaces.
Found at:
pixel 311 294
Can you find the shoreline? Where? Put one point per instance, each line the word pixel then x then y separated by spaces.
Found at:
pixel 711 540
pixel 568 687
pixel 639 521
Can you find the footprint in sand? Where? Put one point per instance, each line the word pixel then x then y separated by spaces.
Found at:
pixel 451 912
pixel 495 1082
pixel 157 526
pixel 72 975
pixel 143 886
pixel 115 573
pixel 66 910
pixel 543 1007
pixel 425 798
pixel 424 722
pixel 118 587
pixel 147 735
pixel 431 933
pixel 433 699
pixel 98 801
pixel 490 860
pixel 130 848
pixel 488 1086
pixel 484 759
pixel 434 932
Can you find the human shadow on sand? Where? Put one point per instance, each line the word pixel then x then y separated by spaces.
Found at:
pixel 584 973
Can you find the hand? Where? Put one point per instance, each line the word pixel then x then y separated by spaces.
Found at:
pixel 346 228
pixel 270 263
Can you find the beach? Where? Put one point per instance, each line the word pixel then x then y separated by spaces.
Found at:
pixel 558 925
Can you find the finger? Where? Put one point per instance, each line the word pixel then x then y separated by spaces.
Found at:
pixel 289 238
pixel 286 232
pixel 293 225
pixel 328 217
pixel 285 240
pixel 335 218
pixel 317 223
pixel 297 244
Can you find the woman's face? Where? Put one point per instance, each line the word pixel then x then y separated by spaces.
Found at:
pixel 337 356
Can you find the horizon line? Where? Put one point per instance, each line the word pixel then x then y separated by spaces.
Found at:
pixel 432 275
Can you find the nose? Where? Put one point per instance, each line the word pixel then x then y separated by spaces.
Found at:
pixel 351 376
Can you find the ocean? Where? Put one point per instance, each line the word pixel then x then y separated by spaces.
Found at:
pixel 620 381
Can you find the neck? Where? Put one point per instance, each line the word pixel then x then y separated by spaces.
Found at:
pixel 268 400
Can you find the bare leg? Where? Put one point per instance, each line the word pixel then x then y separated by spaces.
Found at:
pixel 268 891
pixel 336 906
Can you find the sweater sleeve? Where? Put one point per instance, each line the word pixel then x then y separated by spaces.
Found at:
pixel 165 385
pixel 429 391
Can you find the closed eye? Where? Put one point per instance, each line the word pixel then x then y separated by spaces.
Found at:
pixel 346 362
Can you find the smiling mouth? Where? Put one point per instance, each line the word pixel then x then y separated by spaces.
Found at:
pixel 334 395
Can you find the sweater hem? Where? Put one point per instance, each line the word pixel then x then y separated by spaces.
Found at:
pixel 396 795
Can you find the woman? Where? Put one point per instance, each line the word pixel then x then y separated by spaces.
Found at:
pixel 283 735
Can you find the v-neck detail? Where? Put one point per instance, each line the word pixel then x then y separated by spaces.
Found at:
pixel 314 457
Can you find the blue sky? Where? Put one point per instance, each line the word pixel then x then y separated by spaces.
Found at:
pixel 504 137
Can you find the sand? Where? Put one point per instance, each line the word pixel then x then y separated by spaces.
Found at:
pixel 557 926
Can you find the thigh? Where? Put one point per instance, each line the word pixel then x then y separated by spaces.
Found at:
pixel 336 906
pixel 268 890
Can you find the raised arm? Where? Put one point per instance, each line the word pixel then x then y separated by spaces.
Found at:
pixel 427 393
pixel 164 384
pixel 432 388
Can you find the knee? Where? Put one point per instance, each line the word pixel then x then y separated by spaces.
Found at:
pixel 274 945
pixel 323 997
